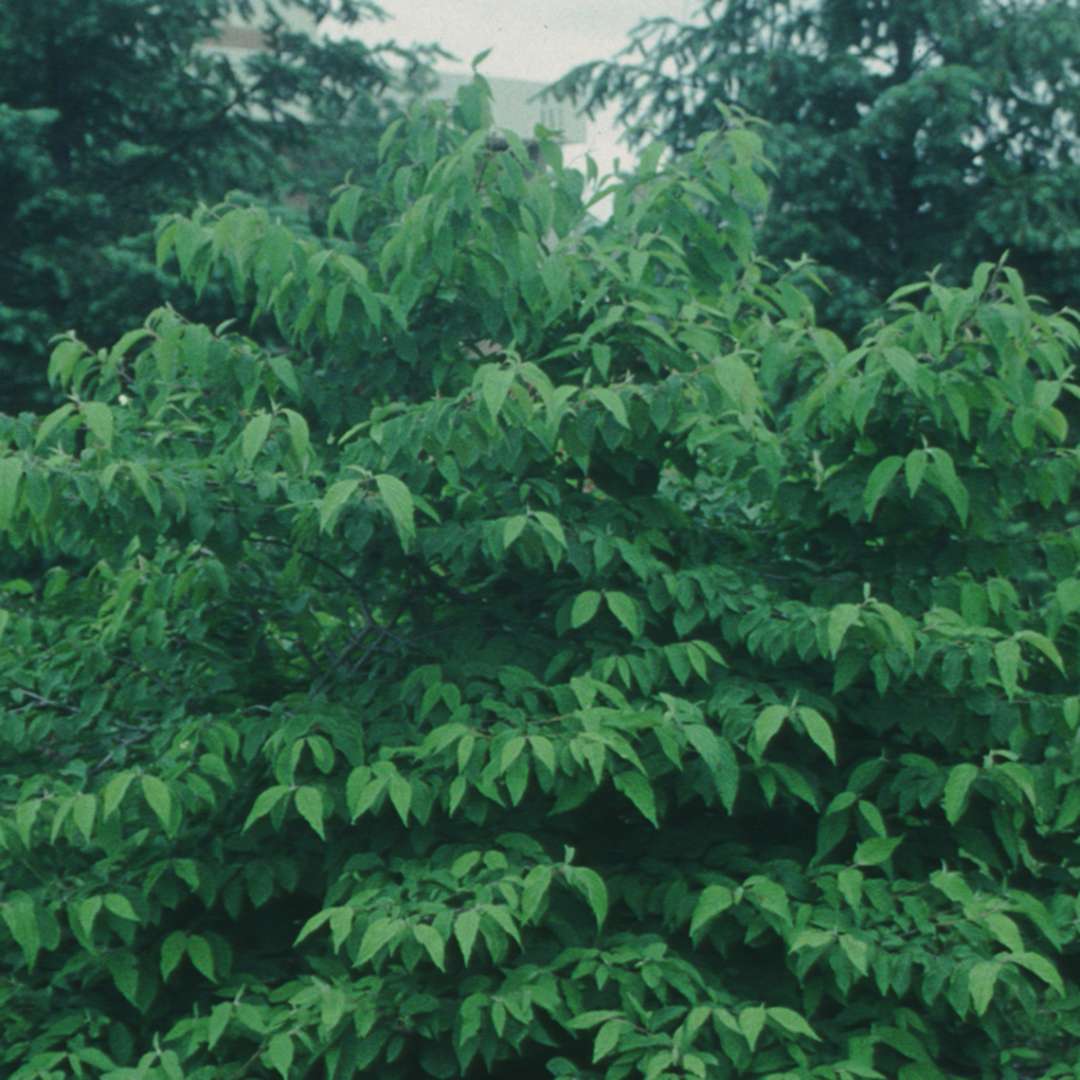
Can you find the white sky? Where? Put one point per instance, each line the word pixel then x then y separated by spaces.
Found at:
pixel 529 39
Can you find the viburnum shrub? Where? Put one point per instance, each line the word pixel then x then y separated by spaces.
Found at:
pixel 559 657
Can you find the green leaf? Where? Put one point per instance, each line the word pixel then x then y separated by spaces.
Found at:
pixel 299 435
pixel 114 792
pixel 1040 966
pixel 627 611
pixel 943 475
pixel 279 1054
pixel 266 802
pixel 1044 645
pixel 1007 659
pixel 961 777
pixel 591 886
pixel 400 791
pixel 397 499
pixel 332 502
pixel 713 901
pixel 915 469
pixel 981 980
pixel 877 849
pixel 791 1021
pixel 465 927
pixel 255 433
pixel 11 470
pixel 751 1023
pixel 158 798
pixel 99 419
pixel 495 383
pixel 282 367
pixel 173 950
pixel 769 721
pixel 335 306
pixel 121 907
pixel 881 476
pixel 52 422
pixel 841 619
pixel 432 941
pixel 584 607
pixel 309 805
pixel 201 956
pixel 817 727
pixel 613 403
pixel 639 791
pixel 534 890
pixel 21 919
pixel 607 1038
pixel 379 933
pixel 512 529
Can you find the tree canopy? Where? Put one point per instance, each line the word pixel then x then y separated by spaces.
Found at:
pixel 905 136
pixel 113 111
pixel 509 675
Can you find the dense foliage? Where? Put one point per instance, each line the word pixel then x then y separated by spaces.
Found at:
pixel 563 658
pixel 113 111
pixel 905 135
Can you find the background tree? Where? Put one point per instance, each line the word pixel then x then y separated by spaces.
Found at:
pixel 905 136
pixel 113 111
pixel 364 720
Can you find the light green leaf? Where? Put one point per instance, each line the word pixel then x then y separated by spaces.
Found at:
pixel 299 434
pixel 83 812
pixel 266 802
pixel 713 901
pixel 769 721
pixel 512 529
pixel 817 727
pixel 841 619
pixel 335 498
pixel 309 805
pixel 378 933
pixel 943 476
pixel 639 791
pixel 173 950
pixel 11 470
pixel 99 419
pixel 21 919
pixel 279 1053
pixel 981 980
pixel 915 469
pixel 201 956
pixel 495 383
pixel 121 907
pixel 876 850
pixel 1007 659
pixel 466 926
pixel 591 886
pixel 534 889
pixel 881 476
pixel 52 422
pixel 400 791
pixel 961 777
pixel 551 525
pixel 626 610
pixel 158 798
pixel 584 607
pixel 282 367
pixel 791 1021
pixel 751 1023
pixel 607 1038
pixel 255 432
pixel 395 495
pixel 1044 645
pixel 1040 966
pixel 432 941
pixel 335 306
pixel 613 403
pixel 114 792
